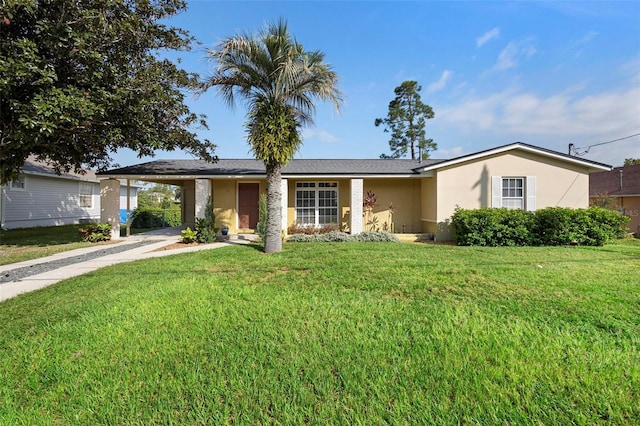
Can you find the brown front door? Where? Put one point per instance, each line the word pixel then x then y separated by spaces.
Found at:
pixel 248 196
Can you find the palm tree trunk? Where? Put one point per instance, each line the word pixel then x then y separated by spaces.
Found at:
pixel 273 234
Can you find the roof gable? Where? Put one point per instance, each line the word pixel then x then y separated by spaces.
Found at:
pixel 515 146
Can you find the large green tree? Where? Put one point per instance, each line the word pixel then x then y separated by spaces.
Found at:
pixel 280 82
pixel 81 78
pixel 406 121
pixel 631 161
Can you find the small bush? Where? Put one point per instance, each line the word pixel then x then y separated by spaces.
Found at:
pixel 206 229
pixel 337 236
pixel 96 232
pixel 188 235
pixel 309 230
pixel 376 237
pixel 150 217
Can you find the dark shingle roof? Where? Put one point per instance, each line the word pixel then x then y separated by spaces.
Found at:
pixel 33 166
pixel 601 183
pixel 249 167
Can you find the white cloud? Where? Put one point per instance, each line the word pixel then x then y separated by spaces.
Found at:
pixel 556 120
pixel 319 135
pixel 488 36
pixel 454 152
pixel 440 84
pixel 513 52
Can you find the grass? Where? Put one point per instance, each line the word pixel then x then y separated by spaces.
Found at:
pixel 18 245
pixel 359 333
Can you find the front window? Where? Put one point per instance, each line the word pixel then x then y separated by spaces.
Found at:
pixel 86 195
pixel 513 193
pixel 316 203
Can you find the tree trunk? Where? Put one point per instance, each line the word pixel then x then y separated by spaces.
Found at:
pixel 273 233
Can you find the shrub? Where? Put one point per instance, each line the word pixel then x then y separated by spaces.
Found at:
pixel 96 232
pixel 188 235
pixel 151 217
pixel 206 229
pixel 309 230
pixel 493 227
pixel 549 226
pixel 337 236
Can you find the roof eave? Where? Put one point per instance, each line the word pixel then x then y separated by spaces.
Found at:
pixel 595 166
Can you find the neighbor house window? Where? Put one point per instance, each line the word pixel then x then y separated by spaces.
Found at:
pixel 86 195
pixel 514 192
pixel 316 203
pixel 18 184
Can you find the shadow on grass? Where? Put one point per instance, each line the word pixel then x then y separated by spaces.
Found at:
pixel 42 236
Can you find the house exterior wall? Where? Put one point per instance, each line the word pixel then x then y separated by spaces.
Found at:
pixel 631 207
pixel 48 201
pixel 468 185
pixel 404 195
pixel 429 204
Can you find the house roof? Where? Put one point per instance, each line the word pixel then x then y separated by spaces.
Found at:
pixel 32 166
pixel 519 146
pixel 323 167
pixel 621 181
pixel 250 167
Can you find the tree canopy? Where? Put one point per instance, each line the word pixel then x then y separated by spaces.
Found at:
pixel 631 161
pixel 280 82
pixel 406 122
pixel 80 79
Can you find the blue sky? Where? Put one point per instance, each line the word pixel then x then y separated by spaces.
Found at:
pixel 544 73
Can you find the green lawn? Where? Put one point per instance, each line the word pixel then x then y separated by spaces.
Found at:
pixel 18 245
pixel 345 333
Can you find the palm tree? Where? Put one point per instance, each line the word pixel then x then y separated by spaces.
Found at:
pixel 279 81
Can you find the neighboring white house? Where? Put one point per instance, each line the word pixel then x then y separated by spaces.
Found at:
pixel 40 197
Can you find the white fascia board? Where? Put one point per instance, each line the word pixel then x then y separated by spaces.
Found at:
pixel 360 176
pixel 511 147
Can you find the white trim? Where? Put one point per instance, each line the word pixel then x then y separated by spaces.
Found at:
pixel 511 147
pixel 316 208
pixel 262 176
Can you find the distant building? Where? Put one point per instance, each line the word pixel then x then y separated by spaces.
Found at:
pixel 622 184
pixel 40 197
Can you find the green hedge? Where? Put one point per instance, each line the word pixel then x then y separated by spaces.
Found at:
pixel 150 217
pixel 551 226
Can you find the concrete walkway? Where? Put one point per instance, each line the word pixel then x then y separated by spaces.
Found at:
pixel 143 246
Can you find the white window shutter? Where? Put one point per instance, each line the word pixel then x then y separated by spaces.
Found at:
pixel 531 193
pixel 496 191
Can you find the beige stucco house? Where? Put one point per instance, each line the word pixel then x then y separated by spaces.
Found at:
pixel 412 196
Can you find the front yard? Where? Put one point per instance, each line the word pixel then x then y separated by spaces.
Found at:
pixel 358 333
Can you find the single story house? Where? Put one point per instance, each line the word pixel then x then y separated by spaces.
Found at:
pixel 622 184
pixel 40 197
pixel 412 196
